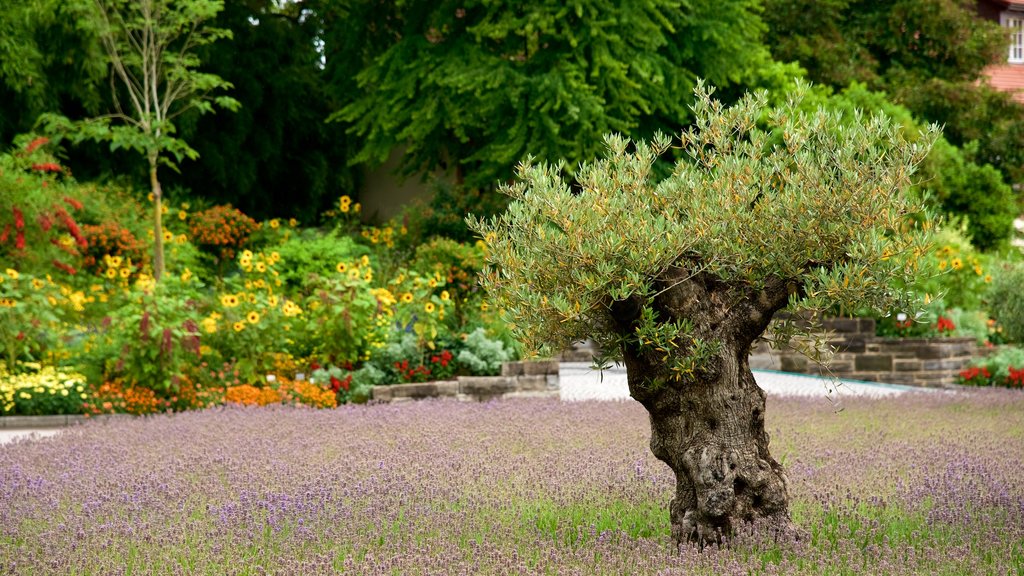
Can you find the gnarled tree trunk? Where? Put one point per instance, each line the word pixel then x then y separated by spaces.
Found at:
pixel 709 426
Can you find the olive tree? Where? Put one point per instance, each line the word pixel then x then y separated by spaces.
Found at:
pixel 770 209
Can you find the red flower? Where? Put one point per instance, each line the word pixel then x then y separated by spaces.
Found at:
pixel 4 235
pixel 36 144
pixel 19 218
pixel 65 267
pixel 944 325
pixel 47 167
pixel 73 203
pixel 19 240
pixel 45 223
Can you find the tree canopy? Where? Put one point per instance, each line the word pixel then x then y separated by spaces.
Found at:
pixel 474 86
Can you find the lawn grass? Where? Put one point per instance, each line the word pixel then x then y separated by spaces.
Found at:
pixel 919 484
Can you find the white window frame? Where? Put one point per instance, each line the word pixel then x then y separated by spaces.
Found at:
pixel 1015 22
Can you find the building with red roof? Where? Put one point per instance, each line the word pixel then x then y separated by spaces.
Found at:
pixel 1008 76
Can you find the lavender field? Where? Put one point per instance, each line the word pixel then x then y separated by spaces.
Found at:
pixel 922 484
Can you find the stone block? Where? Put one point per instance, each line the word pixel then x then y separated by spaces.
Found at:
pixel 793 363
pixel 950 365
pixel 873 363
pixel 531 383
pixel 849 345
pixel 512 368
pixel 33 421
pixel 540 367
pixel 906 365
pixel 486 386
pixel 381 394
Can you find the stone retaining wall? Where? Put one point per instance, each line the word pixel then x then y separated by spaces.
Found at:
pixel 860 355
pixel 536 379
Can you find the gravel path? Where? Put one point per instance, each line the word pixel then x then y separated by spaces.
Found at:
pixel 579 382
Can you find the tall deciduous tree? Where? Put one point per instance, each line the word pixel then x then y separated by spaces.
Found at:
pixel 151 46
pixel 475 85
pixel 678 278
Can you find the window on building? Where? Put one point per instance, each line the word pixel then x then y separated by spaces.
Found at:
pixel 1015 22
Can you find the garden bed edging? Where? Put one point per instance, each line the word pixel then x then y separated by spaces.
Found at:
pixel 861 355
pixel 530 379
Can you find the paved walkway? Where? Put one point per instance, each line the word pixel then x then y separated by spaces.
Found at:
pixel 579 382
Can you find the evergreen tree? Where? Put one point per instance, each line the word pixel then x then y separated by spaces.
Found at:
pixel 473 86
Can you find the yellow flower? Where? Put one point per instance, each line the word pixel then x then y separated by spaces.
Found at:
pixel 253 317
pixel 229 300
pixel 365 260
pixel 186 275
pixel 275 257
pixel 247 254
pixel 291 309
pixel 429 307
pixel 344 208
pixel 125 272
pixel 239 326
pixel 344 203
pixel 444 295
pixel 407 297
pixel 988 278
pixel 341 267
pixel 368 276
pixel 168 236
pixel 251 298
pixel 37 284
pixel 261 267
pixel 483 306
pixel 293 222
pixel 956 264
pixel 978 270
pixel 942 264
pixel 182 215
pixel 12 273
pixel 272 301
pixel 275 223
pixel 353 274
pixel 7 303
pixel 209 325
pixel 357 207
pixel 180 239
pixel 259 283
pixel 432 283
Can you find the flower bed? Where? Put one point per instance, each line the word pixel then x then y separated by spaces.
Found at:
pixel 918 484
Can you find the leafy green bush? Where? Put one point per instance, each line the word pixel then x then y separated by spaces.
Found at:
pixel 1004 368
pixel 483 355
pixel 312 253
pixel 1006 301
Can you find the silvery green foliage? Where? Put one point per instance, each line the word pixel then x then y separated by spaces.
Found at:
pixel 482 355
pixel 761 195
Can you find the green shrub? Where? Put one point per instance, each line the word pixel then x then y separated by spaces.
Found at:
pixel 1004 368
pixel 1006 301
pixel 311 253
pixel 482 355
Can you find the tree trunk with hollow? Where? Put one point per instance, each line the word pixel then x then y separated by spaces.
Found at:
pixel 709 426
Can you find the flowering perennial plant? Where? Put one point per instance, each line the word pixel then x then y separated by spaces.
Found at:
pixel 41 390
pixel 908 485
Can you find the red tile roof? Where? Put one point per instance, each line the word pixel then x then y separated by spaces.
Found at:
pixel 1007 77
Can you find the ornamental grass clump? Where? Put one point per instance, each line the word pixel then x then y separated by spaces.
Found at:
pixel 916 484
